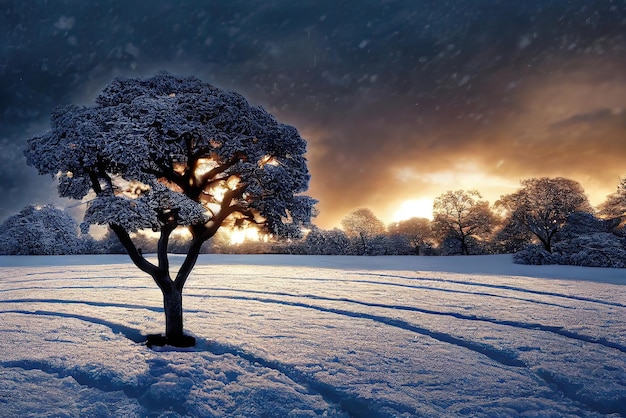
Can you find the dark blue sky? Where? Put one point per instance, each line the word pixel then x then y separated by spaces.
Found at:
pixel 398 99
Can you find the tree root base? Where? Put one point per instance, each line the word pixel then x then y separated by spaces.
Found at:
pixel 161 340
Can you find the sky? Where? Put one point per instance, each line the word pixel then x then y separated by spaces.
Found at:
pixel 399 100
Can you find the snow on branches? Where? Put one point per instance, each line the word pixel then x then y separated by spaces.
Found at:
pixel 193 153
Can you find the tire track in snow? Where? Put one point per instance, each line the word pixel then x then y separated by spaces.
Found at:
pixel 504 357
pixel 130 333
pixel 48 288
pixel 419 287
pixel 500 356
pixel 65 278
pixel 501 287
pixel 352 405
pixel 83 302
pixel 534 326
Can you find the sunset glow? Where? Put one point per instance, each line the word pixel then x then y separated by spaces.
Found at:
pixel 240 235
pixel 415 208
pixel 397 101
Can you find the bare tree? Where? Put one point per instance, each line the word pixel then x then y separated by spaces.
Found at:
pixel 168 152
pixel 460 214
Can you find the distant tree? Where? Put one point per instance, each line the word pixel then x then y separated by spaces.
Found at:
pixel 542 207
pixel 390 244
pixel 42 230
pixel 461 216
pixel 168 152
pixel 614 207
pixel 511 238
pixel 326 242
pixel 362 225
pixel 417 231
pixel 110 244
pixel 584 223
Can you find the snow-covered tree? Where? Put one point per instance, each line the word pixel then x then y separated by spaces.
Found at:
pixel 168 152
pixel 614 207
pixel 542 205
pixel 323 242
pixel 460 215
pixel 362 225
pixel 417 231
pixel 584 240
pixel 42 230
pixel 584 223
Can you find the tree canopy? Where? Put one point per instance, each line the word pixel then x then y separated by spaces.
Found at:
pixel 167 145
pixel 418 231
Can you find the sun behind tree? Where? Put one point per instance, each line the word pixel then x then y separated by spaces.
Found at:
pixel 166 152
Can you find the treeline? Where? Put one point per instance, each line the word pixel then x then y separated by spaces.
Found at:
pixel 546 221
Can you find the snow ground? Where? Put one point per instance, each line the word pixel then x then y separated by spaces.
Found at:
pixel 293 336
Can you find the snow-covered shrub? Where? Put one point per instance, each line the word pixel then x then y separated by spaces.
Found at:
pixel 452 245
pixel 582 223
pixel 596 250
pixel 398 245
pixel 388 245
pixel 322 242
pixel 533 254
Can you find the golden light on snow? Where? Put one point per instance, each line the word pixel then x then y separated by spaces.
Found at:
pixel 414 208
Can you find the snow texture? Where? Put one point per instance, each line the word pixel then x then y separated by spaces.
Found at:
pixel 304 336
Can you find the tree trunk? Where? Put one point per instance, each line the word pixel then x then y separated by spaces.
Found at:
pixel 364 244
pixel 464 248
pixel 173 308
pixel 546 243
pixel 173 304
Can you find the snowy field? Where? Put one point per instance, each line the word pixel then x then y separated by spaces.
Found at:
pixel 303 336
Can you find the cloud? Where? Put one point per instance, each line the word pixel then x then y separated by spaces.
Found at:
pixel 452 94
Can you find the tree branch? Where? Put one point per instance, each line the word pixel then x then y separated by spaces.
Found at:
pixel 134 254
pixel 220 169
pixel 189 263
pixel 171 176
pixel 162 245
